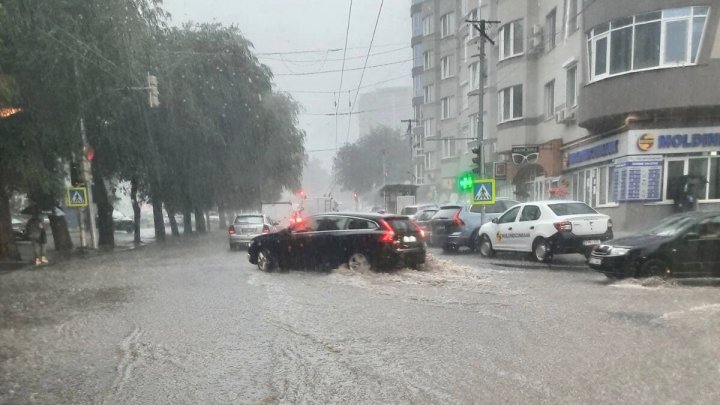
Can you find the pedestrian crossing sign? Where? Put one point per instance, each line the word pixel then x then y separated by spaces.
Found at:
pixel 484 192
pixel 76 197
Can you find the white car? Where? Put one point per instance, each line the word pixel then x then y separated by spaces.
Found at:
pixel 545 228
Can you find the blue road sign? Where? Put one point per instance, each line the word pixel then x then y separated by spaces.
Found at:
pixel 484 192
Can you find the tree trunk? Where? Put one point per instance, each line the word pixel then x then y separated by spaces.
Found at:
pixel 60 232
pixel 8 247
pixel 187 222
pixel 173 223
pixel 200 221
pixel 136 209
pixel 158 220
pixel 106 230
pixel 223 217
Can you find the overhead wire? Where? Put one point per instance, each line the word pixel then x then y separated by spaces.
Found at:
pixel 362 75
pixel 342 72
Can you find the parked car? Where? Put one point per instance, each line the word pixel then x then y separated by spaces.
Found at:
pixel 423 221
pixel 456 225
pixel 328 240
pixel 122 222
pixel 247 226
pixel 686 244
pixel 18 228
pixel 413 210
pixel 546 228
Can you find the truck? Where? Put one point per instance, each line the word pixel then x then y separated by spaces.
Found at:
pixel 280 212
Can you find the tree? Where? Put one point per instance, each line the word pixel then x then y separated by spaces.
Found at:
pixel 359 166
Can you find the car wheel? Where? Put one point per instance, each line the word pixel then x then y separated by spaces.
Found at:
pixel 475 242
pixel 266 260
pixel 358 262
pixel 448 248
pixel 486 249
pixel 541 251
pixel 655 267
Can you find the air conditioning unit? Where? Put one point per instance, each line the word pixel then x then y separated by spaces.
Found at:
pixel 560 116
pixel 536 39
pixel 569 115
pixel 564 116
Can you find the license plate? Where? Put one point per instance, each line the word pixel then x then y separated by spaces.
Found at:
pixel 409 239
pixel 595 260
pixel 591 242
pixel 247 230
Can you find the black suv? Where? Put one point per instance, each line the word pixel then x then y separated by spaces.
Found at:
pixel 360 240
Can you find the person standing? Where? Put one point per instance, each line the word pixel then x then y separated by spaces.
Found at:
pixel 38 237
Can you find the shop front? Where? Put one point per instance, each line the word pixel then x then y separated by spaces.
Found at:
pixel 634 176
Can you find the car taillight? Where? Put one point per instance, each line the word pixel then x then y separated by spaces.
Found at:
pixel 563 226
pixel 456 219
pixel 231 230
pixel 420 230
pixel 266 229
pixel 389 235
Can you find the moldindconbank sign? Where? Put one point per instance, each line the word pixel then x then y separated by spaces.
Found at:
pixel 675 140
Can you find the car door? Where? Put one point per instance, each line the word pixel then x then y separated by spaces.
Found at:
pixel 301 245
pixel 708 246
pixel 503 237
pixel 328 240
pixel 524 228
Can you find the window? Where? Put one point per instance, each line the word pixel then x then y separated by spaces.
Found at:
pixel 550 30
pixel 660 39
pixel 419 174
pixel 594 186
pixel 473 125
pixel 429 160
pixel 418 115
pixel 572 16
pixel 707 167
pixel 473 16
pixel 428 126
pixel 447 107
pixel 449 147
pixel 429 93
pixel 357 223
pixel 550 100
pixel 416 25
pixel 571 87
pixel 418 86
pixel 417 56
pixel 427 60
pixel 510 103
pixel 446 68
pixel 466 48
pixel 464 95
pixel 331 223
pixel 511 39
pixel 509 216
pixel 475 75
pixel 530 213
pixel 427 23
pixel 447 25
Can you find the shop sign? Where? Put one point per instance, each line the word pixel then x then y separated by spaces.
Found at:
pixel 677 140
pixel 525 154
pixel 597 151
pixel 637 178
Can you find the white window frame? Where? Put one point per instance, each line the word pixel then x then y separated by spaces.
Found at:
pixel 549 100
pixel 466 46
pixel 427 60
pixel 551 31
pixel 571 68
pixel 447 25
pixel 464 90
pixel 473 16
pixel 501 100
pixel 428 127
pixel 429 93
pixel 449 147
pixel 429 161
pixel 501 40
pixel 686 170
pixel 420 174
pixel 446 67
pixel 690 59
pixel 573 15
pixel 428 26
pixel 474 69
pixel 447 107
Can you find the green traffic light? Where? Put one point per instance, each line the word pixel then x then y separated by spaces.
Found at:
pixel 466 182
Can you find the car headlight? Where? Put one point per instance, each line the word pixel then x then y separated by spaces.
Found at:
pixel 618 251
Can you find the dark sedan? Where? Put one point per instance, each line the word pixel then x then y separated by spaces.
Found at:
pixel 686 244
pixel 360 240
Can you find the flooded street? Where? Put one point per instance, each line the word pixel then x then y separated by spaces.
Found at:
pixel 192 322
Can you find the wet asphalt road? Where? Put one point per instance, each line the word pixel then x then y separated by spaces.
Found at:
pixel 192 322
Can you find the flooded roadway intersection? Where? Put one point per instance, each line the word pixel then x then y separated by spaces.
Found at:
pixel 195 323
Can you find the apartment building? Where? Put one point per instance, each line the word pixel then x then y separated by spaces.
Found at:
pixel 530 93
pixel 386 106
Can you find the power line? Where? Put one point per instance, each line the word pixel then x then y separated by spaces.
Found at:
pixel 362 75
pixel 347 70
pixel 404 48
pixel 326 50
pixel 404 76
pixel 342 72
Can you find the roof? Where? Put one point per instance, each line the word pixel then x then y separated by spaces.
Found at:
pixel 363 215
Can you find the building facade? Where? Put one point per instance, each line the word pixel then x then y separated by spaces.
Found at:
pixel 386 106
pixel 607 102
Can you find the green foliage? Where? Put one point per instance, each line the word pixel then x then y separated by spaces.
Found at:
pixel 359 166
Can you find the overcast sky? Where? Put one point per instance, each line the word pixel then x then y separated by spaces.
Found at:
pixel 294 25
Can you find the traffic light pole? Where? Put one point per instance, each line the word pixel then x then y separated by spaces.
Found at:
pixel 481 26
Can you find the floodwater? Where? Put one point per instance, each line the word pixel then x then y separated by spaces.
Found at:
pixel 192 322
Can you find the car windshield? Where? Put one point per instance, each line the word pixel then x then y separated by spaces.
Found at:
pixel 446 212
pixel 401 225
pixel 427 214
pixel 671 226
pixel 409 210
pixel 564 209
pixel 249 220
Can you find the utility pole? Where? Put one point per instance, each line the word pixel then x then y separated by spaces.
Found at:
pixel 481 26
pixel 85 172
pixel 409 133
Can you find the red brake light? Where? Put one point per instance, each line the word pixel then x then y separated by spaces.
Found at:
pixel 231 230
pixel 389 235
pixel 563 226
pixel 266 229
pixel 456 219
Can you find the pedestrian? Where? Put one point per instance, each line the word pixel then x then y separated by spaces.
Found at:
pixel 36 232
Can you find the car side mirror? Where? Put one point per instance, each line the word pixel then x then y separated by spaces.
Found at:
pixel 691 236
pixel 494 221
